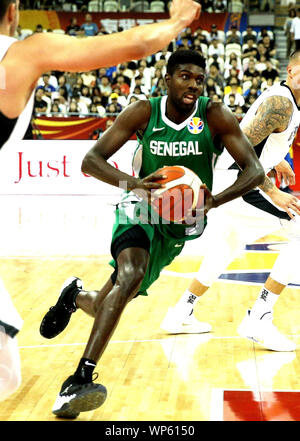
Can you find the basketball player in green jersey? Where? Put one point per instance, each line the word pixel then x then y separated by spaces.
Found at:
pixel 182 128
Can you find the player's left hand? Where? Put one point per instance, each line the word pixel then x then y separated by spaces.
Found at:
pixel 197 215
pixel 285 171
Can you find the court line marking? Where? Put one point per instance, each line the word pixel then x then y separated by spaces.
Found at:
pixel 177 336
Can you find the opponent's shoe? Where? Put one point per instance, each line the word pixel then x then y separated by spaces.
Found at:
pixel 58 316
pixel 75 398
pixel 173 323
pixel 265 333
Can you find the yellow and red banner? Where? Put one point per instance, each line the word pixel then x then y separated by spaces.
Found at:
pixel 67 128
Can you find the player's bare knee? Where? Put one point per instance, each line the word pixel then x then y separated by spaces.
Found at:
pixel 130 278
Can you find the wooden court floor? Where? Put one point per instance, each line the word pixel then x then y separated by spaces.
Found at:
pixel 150 375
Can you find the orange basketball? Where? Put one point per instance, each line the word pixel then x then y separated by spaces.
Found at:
pixel 180 194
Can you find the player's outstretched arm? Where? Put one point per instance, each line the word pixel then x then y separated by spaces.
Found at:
pixel 47 51
pixel 225 125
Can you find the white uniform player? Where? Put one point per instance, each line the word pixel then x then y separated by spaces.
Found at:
pixel 244 220
pixel 10 320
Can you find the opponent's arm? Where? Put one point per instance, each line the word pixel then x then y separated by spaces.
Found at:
pixel 26 60
pixel 273 116
pixel 224 124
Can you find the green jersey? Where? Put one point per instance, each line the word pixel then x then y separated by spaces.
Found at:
pixel 188 144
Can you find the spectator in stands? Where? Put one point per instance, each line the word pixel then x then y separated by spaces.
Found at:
pixel 269 45
pixel 270 73
pixel 139 81
pixel 262 52
pixel 251 72
pixel 267 5
pixel 220 6
pixel 40 105
pixel 295 29
pixel 105 86
pixel 233 37
pixel 250 35
pixel 262 64
pixel 62 82
pixel 113 99
pixel 250 50
pixel 55 110
pixel 214 33
pixel 39 28
pixel 216 48
pixel 211 88
pixel 85 96
pixel 202 37
pixel 233 87
pixel 111 109
pixel 216 98
pixel 47 87
pixel 73 27
pixel 230 102
pixel 287 31
pixel 123 86
pixel 73 107
pixel 214 73
pixel 89 78
pixel 263 32
pixel 90 28
pixel 233 63
pixel 252 91
pixel 239 112
pixel 207 6
pixel 81 105
pixel 158 88
pixel 236 91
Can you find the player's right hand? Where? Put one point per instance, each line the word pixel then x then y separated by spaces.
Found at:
pixel 286 202
pixel 144 187
pixel 185 11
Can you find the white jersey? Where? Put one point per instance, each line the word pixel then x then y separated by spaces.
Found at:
pixel 271 151
pixel 12 129
pixel 276 146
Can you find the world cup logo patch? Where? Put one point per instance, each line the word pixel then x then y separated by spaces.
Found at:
pixel 195 126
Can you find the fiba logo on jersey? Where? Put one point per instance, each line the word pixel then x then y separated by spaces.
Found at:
pixel 2 78
pixel 195 126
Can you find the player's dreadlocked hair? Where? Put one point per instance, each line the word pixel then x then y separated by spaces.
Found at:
pixel 182 56
pixel 4 4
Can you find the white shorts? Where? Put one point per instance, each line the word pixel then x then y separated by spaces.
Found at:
pixel 10 319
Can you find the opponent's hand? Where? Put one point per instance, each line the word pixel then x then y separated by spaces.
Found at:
pixel 185 11
pixel 285 171
pixel 287 202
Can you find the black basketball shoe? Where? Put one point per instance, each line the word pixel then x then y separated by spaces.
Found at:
pixel 75 397
pixel 58 316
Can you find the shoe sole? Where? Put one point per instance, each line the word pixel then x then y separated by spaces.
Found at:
pixel 83 402
pixel 45 319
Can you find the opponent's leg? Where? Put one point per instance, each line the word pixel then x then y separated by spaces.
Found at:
pixel 257 325
pixel 10 324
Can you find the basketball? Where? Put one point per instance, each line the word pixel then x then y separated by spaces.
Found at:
pixel 180 194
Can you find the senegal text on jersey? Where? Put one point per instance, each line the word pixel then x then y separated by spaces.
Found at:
pixel 177 148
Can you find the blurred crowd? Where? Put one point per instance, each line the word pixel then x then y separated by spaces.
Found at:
pixel 240 65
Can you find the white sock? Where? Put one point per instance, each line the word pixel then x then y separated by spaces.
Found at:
pixel 264 303
pixel 185 306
